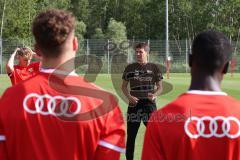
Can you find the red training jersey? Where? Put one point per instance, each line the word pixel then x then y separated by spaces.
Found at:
pixel 50 118
pixel 198 125
pixel 22 73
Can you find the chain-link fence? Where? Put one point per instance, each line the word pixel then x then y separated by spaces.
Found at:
pixel 119 54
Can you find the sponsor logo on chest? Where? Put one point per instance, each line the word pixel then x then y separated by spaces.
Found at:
pixel 139 75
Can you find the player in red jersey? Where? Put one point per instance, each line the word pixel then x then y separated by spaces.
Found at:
pixel 24 69
pixel 168 62
pixel 202 123
pixel 46 117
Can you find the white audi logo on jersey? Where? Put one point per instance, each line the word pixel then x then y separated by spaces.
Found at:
pixel 63 104
pixel 214 127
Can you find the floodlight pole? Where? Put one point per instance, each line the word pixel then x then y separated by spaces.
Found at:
pixel 167 42
pixel 4 6
pixel 1 54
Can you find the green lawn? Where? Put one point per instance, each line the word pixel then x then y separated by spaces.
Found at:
pixel 180 83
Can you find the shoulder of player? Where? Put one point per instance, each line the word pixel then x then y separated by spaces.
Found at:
pixel 30 82
pixel 155 65
pixel 184 101
pixel 152 64
pixel 231 101
pixel 34 64
pixel 172 111
pixel 17 67
pixel 130 65
pixel 176 106
pixel 101 96
pixel 11 92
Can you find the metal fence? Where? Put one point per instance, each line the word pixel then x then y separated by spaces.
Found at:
pixel 118 54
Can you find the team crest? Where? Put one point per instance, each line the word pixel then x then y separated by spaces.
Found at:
pixel 30 69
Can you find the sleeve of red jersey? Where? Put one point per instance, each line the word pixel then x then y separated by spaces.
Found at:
pixel 3 150
pixel 36 66
pixel 152 149
pixel 112 140
pixel 12 76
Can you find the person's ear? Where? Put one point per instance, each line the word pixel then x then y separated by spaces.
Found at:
pixel 75 44
pixel 190 59
pixel 225 68
pixel 37 50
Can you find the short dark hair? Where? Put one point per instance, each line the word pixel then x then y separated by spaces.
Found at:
pixel 143 45
pixel 51 28
pixel 211 50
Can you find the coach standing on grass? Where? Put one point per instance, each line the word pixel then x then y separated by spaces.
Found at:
pixel 145 85
pixel 210 127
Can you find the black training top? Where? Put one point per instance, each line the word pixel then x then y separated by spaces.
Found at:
pixel 142 78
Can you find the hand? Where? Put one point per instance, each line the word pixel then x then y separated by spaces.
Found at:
pixel 33 53
pixel 15 51
pixel 133 100
pixel 151 96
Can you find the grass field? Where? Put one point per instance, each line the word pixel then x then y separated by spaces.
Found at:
pixel 180 82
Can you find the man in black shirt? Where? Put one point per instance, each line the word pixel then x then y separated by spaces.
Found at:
pixel 145 85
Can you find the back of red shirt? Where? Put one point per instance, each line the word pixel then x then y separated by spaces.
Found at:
pixel 22 73
pixel 198 125
pixel 43 122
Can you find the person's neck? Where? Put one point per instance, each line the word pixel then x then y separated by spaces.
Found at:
pixel 143 62
pixel 60 63
pixel 25 64
pixel 205 82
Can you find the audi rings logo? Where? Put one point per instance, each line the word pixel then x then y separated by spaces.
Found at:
pixel 52 105
pixel 229 126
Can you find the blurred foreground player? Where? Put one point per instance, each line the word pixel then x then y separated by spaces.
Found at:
pixel 24 69
pixel 44 118
pixel 202 123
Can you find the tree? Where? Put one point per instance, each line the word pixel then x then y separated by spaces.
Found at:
pixel 19 15
pixel 80 9
pixel 144 19
pixel 225 17
pixel 80 30
pixel 133 18
pixel 97 15
pixel 116 31
pixel 18 19
pixel 98 34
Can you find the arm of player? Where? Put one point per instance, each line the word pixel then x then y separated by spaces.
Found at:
pixel 112 140
pixel 106 154
pixel 34 55
pixel 10 63
pixel 132 99
pixel 152 149
pixel 153 96
pixel 158 81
